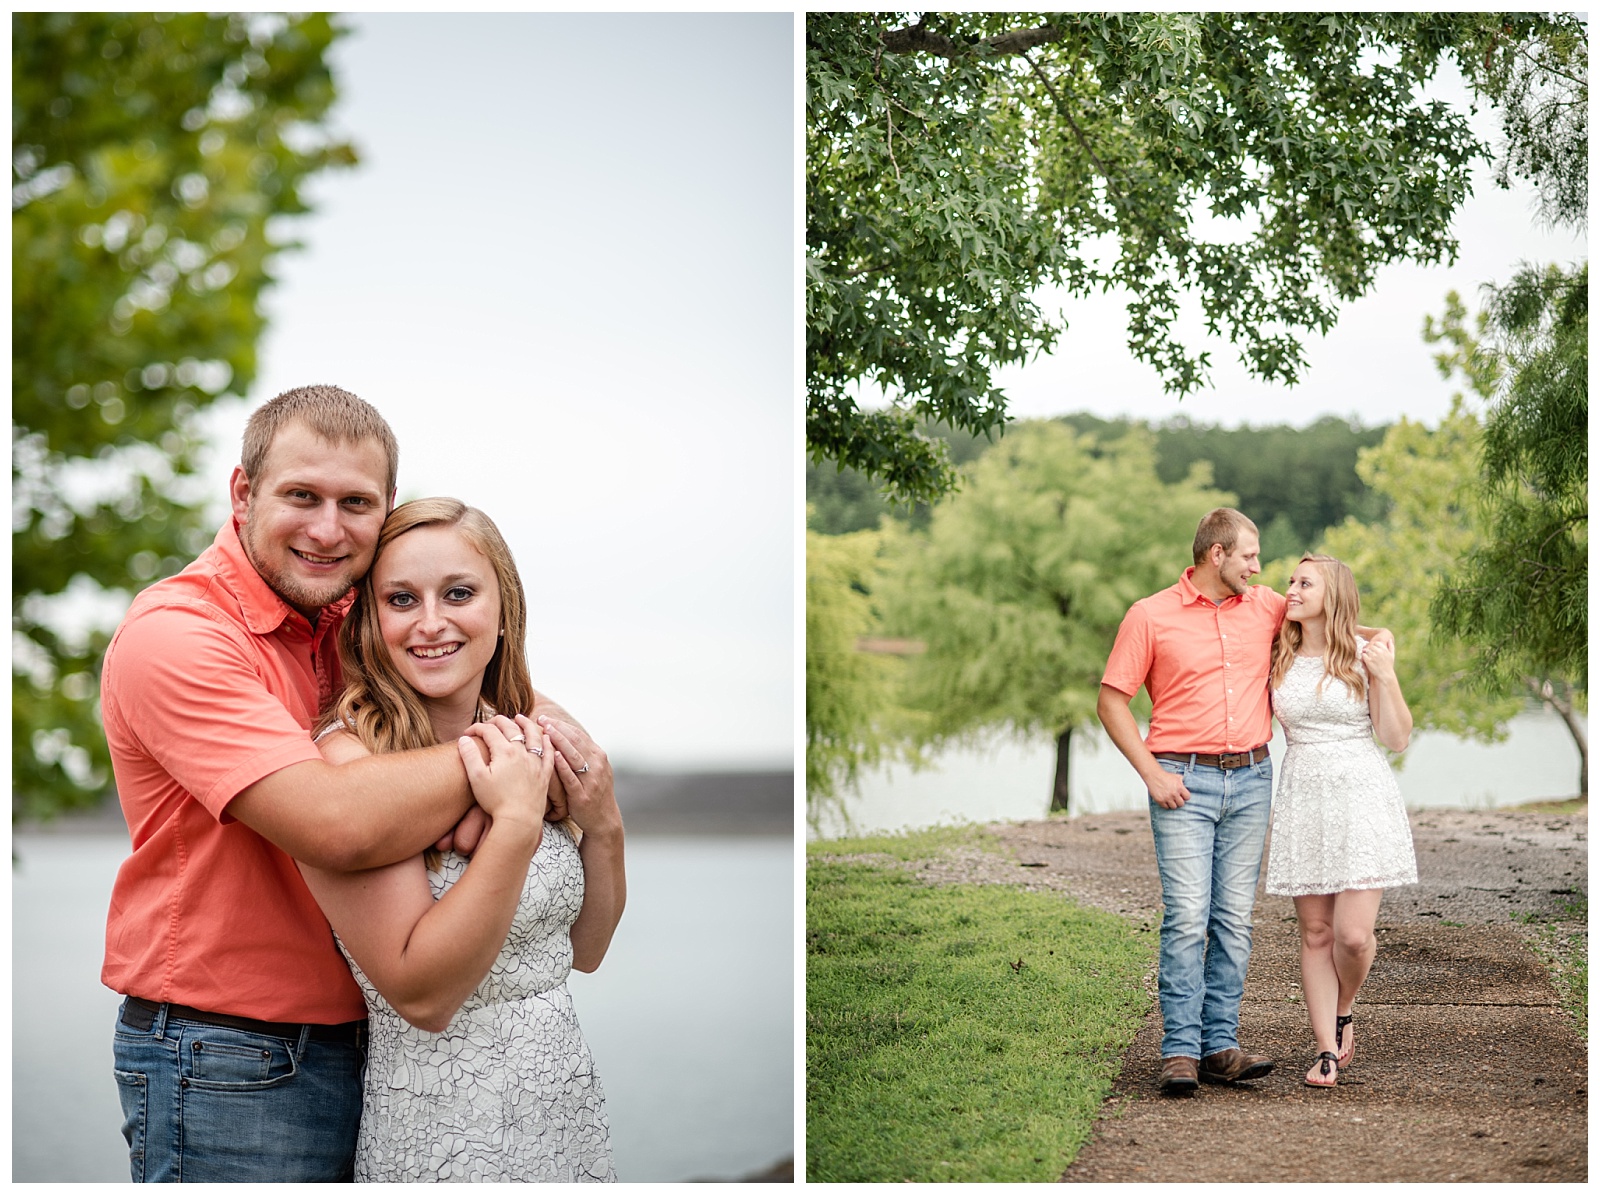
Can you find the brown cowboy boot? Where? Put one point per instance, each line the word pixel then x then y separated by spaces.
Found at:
pixel 1234 1066
pixel 1178 1075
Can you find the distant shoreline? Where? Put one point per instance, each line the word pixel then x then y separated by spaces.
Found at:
pixel 699 803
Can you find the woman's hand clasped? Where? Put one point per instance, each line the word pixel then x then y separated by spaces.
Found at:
pixel 1378 656
pixel 585 774
pixel 511 785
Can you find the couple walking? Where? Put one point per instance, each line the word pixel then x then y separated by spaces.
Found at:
pixel 295 720
pixel 1219 658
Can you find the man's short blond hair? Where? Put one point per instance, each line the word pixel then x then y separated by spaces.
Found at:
pixel 334 414
pixel 1222 527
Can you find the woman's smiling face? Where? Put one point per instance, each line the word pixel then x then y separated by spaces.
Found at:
pixel 1306 593
pixel 439 611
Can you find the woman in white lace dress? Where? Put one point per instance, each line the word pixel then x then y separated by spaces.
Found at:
pixel 1339 829
pixel 476 1067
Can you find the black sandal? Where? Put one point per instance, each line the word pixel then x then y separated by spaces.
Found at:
pixel 1327 1058
pixel 1338 1038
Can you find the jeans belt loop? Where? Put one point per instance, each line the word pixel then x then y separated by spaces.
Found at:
pixel 143 1016
pixel 138 1009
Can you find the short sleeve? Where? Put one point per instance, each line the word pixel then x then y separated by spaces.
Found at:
pixel 1132 654
pixel 187 690
pixel 1276 602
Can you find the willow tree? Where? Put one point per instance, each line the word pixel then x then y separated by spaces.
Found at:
pixel 150 155
pixel 1022 579
pixel 1425 477
pixel 853 715
pixel 1519 596
pixel 1258 167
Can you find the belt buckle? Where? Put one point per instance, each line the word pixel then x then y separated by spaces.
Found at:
pixel 1236 760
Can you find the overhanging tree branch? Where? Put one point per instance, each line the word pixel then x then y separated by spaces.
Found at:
pixel 915 39
pixel 1066 114
pixel 929 245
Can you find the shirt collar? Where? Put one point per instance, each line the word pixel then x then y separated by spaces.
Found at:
pixel 264 611
pixel 1188 595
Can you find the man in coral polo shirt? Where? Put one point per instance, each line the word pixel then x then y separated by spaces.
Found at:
pixel 239 1048
pixel 1203 650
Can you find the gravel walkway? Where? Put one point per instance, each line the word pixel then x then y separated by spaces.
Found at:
pixel 1466 1067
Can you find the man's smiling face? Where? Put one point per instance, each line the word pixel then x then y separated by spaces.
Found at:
pixel 309 523
pixel 1244 562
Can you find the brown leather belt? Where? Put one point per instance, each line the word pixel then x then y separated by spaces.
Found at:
pixel 141 1014
pixel 1240 759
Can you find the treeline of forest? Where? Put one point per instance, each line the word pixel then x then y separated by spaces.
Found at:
pixel 1293 482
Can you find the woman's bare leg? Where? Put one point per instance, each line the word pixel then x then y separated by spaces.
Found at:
pixel 1319 978
pixel 1355 914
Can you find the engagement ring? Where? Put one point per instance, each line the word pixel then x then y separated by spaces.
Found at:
pixel 581 770
pixel 539 751
pixel 519 738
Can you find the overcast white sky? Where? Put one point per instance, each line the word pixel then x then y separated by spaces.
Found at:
pixel 563 272
pixel 1374 365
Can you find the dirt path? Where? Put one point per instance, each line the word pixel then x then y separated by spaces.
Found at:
pixel 1466 1068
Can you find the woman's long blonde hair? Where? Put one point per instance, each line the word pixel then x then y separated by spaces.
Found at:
pixel 1341 602
pixel 377 705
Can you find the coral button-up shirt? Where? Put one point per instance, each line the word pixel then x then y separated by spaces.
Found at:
pixel 1205 665
pixel 211 683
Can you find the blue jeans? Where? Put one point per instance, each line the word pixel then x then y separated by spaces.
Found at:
pixel 206 1104
pixel 1209 853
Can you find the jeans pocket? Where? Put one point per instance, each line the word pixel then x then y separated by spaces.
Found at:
pixel 231 1060
pixel 132 1090
pixel 299 1125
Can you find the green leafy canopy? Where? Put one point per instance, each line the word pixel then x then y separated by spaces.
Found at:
pixel 1521 595
pixel 1263 166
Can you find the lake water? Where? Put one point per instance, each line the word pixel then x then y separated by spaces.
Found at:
pixel 691 1017
pixel 1003 780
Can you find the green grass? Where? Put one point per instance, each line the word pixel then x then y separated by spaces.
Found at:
pixel 1573 980
pixel 1565 952
pixel 1571 805
pixel 931 1056
pixel 907 845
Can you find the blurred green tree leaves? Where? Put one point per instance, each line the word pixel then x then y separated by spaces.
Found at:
pixel 1522 595
pixel 853 716
pixel 150 155
pixel 1022 579
pixel 1426 476
pixel 1519 595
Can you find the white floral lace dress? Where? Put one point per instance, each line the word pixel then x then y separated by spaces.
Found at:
pixel 508 1092
pixel 1338 821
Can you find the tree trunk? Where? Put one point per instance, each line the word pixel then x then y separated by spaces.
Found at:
pixel 1058 798
pixel 1560 699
